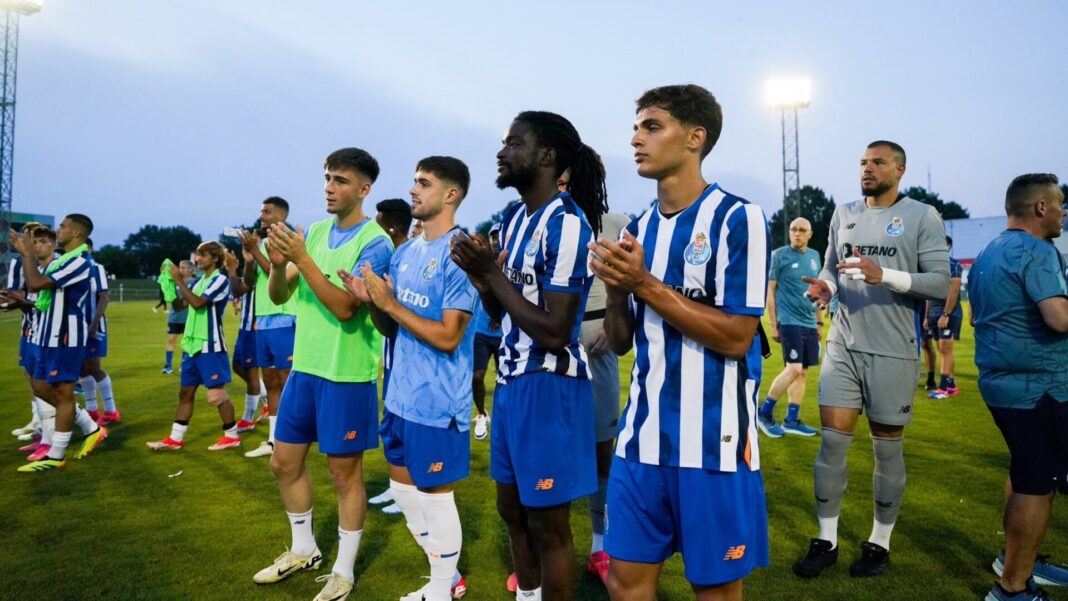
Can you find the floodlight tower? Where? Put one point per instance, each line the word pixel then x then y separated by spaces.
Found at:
pixel 9 63
pixel 788 95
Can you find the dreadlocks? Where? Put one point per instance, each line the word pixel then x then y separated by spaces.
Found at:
pixel 586 184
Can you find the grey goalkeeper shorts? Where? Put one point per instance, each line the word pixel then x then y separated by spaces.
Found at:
pixel 884 387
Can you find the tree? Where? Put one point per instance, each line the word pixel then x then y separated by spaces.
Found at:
pixel 151 244
pixel 117 261
pixel 483 228
pixel 816 207
pixel 947 209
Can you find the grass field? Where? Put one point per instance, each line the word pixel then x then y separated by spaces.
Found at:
pixel 118 526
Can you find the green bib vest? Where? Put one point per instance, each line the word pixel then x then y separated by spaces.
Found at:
pixel 264 305
pixel 347 351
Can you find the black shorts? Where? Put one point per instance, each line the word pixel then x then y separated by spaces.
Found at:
pixel 800 345
pixel 951 331
pixel 1038 444
pixel 175 328
pixel 485 347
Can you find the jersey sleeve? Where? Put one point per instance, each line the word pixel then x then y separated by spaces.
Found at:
pixel 460 294
pixel 218 289
pixel 76 270
pixel 830 258
pixel 566 268
pixel 931 247
pixel 773 271
pixel 1043 276
pixel 14 274
pixel 378 253
pixel 101 278
pixel 743 281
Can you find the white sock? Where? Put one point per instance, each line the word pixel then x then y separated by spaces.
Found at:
pixel 252 402
pixel 300 524
pixel 48 421
pixel 178 431
pixel 232 432
pixel 270 428
pixel 263 391
pixel 522 595
pixel 829 530
pixel 880 534
pixel 84 422
pixel 348 545
pixel 60 440
pixel 597 544
pixel 89 387
pixel 106 394
pixel 442 543
pixel 406 497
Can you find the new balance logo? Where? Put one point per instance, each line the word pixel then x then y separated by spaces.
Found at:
pixel 544 484
pixel 435 467
pixel 300 521
pixel 819 500
pixel 350 435
pixel 851 226
pixel 884 504
pixel 726 438
pixel 906 408
pixel 734 553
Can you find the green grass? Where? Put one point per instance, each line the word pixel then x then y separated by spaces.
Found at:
pixel 116 526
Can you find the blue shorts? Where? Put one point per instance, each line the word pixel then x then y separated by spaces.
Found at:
pixel 274 347
pixel 1038 445
pixel 30 358
pixel 61 364
pixel 209 370
pixel 433 456
pixel 245 349
pixel 485 347
pixel 341 416
pixel 24 352
pixel 800 345
pixel 97 347
pixel 950 332
pixel 717 520
pixel 542 438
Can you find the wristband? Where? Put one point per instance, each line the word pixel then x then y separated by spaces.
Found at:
pixel 898 281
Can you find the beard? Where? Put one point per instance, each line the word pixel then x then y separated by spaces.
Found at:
pixel 874 190
pixel 520 180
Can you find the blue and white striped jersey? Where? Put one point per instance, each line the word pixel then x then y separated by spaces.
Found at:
pixel 66 322
pixel 97 283
pixel 16 282
pixel 248 310
pixel 218 295
pixel 546 253
pixel 688 405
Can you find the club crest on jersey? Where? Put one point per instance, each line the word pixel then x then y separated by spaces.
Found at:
pixel 698 251
pixel 895 228
pixel 812 262
pixel 532 246
pixel 430 269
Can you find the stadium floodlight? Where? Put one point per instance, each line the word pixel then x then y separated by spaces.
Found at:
pixel 788 92
pixel 9 33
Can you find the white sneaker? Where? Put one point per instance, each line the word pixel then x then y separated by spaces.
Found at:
pixel 265 449
pixel 385 497
pixel 391 508
pixel 287 564
pixel 29 428
pixel 28 436
pixel 415 595
pixel 481 426
pixel 337 587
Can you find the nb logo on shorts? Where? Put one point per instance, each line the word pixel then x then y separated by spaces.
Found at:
pixel 906 408
pixel 435 467
pixel 54 372
pixel 350 435
pixel 544 484
pixel 734 553
pixel 215 377
pixel 726 438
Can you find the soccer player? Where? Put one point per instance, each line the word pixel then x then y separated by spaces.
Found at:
pixel 63 334
pixel 946 317
pixel 486 343
pixel 417 229
pixel 332 395
pixel 14 297
pixel 686 286
pixel 425 303
pixel 543 377
pixel 204 360
pixel 244 363
pixel 94 377
pixel 275 322
pixel 395 216
pixel 796 325
pixel 1020 305
pixel 176 316
pixel 886 253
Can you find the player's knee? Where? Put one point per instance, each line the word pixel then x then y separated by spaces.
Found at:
pixel 510 512
pixel 284 469
pixel 549 530
pixel 793 370
pixel 345 478
pixel 217 396
pixel 945 346
pixel 834 445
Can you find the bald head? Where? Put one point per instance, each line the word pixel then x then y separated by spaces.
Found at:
pixel 800 233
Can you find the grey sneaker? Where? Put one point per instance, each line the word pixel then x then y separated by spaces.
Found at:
pixel 1044 571
pixel 1031 593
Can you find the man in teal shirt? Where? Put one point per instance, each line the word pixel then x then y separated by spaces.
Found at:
pixel 794 325
pixel 1020 307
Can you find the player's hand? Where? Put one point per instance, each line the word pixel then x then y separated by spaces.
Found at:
pixel 819 292
pixel 619 264
pixel 249 240
pixel 476 258
pixel 173 270
pixel 943 322
pixel 21 244
pixel 775 334
pixel 8 301
pixel 93 328
pixel 287 243
pixel 924 325
pixel 230 261
pixel 354 285
pixel 598 344
pixel 859 267
pixel 247 256
pixel 380 289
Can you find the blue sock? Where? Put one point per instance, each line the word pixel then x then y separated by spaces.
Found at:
pixel 768 408
pixel 943 381
pixel 792 411
pixel 170 359
pixel 951 382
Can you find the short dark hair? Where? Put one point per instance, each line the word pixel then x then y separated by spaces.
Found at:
pixel 448 168
pixel 277 201
pixel 355 159
pixel 1021 193
pixel 692 105
pixel 396 213
pixel 894 146
pixel 83 221
pixel 41 231
pixel 89 243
